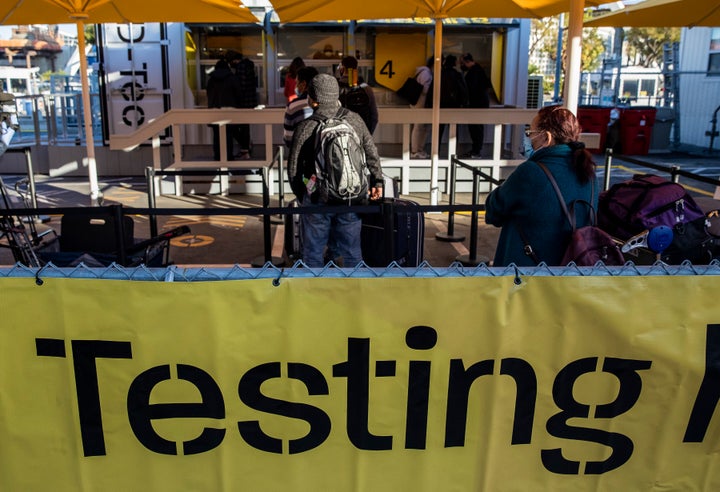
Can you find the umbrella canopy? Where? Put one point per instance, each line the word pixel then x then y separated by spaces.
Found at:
pixel 326 10
pixel 663 13
pixel 84 12
pixel 122 11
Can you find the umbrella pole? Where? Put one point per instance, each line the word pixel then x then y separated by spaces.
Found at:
pixel 87 117
pixel 574 53
pixel 435 127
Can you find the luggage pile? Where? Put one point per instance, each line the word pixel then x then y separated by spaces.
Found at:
pixel 656 219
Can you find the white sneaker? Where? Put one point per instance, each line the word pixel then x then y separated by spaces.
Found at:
pixel 419 155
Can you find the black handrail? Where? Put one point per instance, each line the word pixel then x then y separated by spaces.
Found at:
pixel 674 171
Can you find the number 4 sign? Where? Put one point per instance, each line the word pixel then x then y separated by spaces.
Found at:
pixel 397 56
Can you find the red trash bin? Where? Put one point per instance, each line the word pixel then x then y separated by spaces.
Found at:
pixel 595 119
pixel 636 126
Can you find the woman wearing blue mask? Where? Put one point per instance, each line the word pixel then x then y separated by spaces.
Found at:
pixel 526 205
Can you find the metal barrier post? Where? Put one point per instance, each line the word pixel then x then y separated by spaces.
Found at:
pixel 280 218
pixel 450 236
pixel 150 180
pixel 675 174
pixel 267 232
pixel 119 233
pixel 472 258
pixel 281 177
pixel 608 166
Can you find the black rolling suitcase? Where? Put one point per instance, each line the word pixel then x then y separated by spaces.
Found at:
pixel 395 234
pixel 293 234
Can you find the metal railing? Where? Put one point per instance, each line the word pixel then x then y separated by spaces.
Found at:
pixel 55 119
pixel 675 172
pixel 478 176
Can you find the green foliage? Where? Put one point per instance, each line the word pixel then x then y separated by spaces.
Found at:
pixel 543 40
pixel 90 34
pixel 645 45
pixel 45 76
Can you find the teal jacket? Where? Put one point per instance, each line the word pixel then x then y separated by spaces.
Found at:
pixel 526 200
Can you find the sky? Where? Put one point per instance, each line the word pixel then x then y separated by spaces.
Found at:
pixel 6 31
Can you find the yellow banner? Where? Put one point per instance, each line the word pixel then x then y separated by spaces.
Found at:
pixel 424 384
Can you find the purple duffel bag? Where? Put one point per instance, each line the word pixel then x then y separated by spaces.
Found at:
pixel 644 202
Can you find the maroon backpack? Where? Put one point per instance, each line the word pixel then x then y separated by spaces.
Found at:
pixel 644 202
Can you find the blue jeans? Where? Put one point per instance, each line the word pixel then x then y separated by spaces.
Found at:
pixel 317 229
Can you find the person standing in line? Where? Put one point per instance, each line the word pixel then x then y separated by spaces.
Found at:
pixel 299 109
pixel 355 94
pixel 453 92
pixel 291 78
pixel 527 202
pixel 223 91
pixel 418 135
pixel 479 88
pixel 343 227
pixel 244 70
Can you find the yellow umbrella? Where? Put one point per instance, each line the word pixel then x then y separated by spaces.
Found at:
pixel 122 11
pixel 326 10
pixel 663 13
pixel 81 12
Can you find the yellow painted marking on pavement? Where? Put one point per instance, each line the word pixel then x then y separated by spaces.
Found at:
pixel 690 188
pixel 122 195
pixel 214 220
pixel 442 226
pixel 193 241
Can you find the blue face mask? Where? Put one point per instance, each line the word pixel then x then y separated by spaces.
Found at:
pixel 297 92
pixel 528 150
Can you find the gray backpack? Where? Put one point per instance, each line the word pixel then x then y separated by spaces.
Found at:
pixel 339 161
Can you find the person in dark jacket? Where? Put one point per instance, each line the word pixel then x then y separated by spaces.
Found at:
pixel 244 70
pixel 527 202
pixel 344 227
pixel 479 88
pixel 365 106
pixel 453 92
pixel 223 91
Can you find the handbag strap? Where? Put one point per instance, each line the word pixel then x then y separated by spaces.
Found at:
pixel 570 216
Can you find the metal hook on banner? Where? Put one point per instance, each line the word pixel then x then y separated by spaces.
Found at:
pixel 517 280
pixel 38 280
pixel 276 281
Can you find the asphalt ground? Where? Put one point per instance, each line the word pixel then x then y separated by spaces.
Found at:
pixel 222 240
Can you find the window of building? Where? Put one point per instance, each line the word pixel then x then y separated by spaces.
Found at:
pixel 714 58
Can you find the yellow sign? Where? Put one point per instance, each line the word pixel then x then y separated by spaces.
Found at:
pixel 397 56
pixel 381 384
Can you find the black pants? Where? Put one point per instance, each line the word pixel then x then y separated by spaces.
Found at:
pixel 477 135
pixel 231 134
